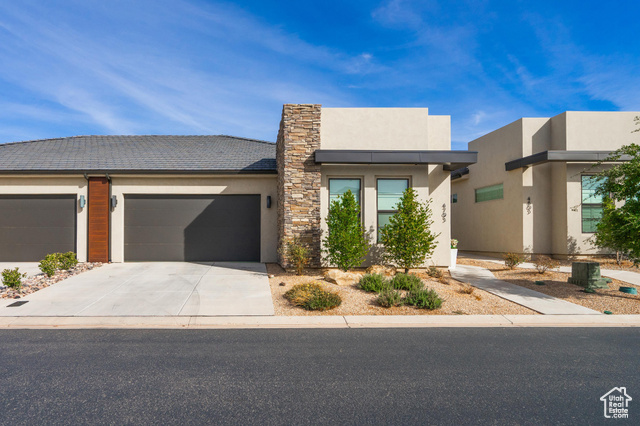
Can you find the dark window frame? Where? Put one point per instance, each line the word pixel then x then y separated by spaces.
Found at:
pixel 378 211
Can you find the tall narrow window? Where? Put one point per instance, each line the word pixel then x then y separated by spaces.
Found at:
pixel 389 194
pixel 591 203
pixel 488 193
pixel 337 187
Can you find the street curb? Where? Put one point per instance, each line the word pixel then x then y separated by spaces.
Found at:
pixel 349 321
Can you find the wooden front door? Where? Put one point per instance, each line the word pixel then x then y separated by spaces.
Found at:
pixel 98 204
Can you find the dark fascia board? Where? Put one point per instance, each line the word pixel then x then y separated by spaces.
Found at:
pixel 459 173
pixel 138 172
pixel 451 160
pixel 561 156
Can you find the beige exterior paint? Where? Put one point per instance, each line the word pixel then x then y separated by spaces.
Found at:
pixel 552 224
pixel 50 185
pixel 390 129
pixel 263 185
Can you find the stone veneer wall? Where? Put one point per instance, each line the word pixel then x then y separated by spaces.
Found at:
pixel 299 179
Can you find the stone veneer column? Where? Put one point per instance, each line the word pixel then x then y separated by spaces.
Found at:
pixel 299 179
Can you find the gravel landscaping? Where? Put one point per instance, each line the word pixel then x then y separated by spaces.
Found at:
pixel 37 282
pixel 358 302
pixel 556 285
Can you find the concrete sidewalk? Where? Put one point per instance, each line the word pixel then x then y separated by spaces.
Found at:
pixel 324 321
pixel 539 302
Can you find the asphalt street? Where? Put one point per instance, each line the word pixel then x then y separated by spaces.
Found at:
pixel 317 376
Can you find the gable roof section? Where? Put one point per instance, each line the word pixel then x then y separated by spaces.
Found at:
pixel 139 154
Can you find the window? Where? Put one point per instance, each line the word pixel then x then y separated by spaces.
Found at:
pixel 591 203
pixel 454 198
pixel 488 193
pixel 337 187
pixel 389 194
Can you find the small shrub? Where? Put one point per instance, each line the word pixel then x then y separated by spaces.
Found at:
pixel 423 299
pixel 478 297
pixel 406 282
pixel 443 280
pixel 374 283
pixel 49 264
pixel 511 260
pixel 544 263
pixel 313 297
pixel 390 298
pixel 434 272
pixel 12 278
pixel 454 243
pixel 67 260
pixel 298 254
pixel 467 289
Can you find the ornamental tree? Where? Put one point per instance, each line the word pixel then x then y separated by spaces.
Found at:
pixel 346 244
pixel 407 238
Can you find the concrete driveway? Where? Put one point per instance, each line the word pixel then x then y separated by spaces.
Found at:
pixel 154 289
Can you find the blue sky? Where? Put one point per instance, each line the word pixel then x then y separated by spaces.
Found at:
pixel 205 67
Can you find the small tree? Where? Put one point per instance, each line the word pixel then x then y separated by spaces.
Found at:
pixel 298 254
pixel 407 238
pixel 346 244
pixel 619 227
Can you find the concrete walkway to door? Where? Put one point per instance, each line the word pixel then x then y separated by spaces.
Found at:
pixel 154 289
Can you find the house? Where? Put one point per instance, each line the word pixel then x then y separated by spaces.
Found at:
pixel 532 188
pixel 222 198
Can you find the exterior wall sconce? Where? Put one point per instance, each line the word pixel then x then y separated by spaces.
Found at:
pixel 528 205
pixel 268 201
pixel 82 202
pixel 114 202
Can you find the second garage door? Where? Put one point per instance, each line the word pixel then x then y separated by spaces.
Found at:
pixel 192 228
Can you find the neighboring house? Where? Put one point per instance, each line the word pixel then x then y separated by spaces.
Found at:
pixel 221 198
pixel 532 189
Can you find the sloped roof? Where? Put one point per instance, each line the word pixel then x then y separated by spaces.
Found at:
pixel 138 154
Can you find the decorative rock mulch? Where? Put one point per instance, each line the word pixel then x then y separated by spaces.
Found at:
pixel 36 282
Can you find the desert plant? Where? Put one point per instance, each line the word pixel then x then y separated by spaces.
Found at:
pixel 313 297
pixel 511 260
pixel 298 254
pixel 374 283
pixel 407 282
pixel 434 272
pixel 407 238
pixel 544 263
pixel 50 264
pixel 346 244
pixel 467 289
pixel 423 299
pixel 67 260
pixel 390 298
pixel 12 278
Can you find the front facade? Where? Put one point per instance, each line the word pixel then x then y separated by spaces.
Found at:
pixel 532 189
pixel 219 198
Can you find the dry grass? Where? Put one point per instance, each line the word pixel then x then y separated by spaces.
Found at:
pixel 358 302
pixel 556 285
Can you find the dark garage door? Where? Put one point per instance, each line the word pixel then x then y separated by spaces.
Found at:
pixel 32 226
pixel 192 228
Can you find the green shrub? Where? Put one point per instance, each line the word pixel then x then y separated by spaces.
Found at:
pixel 407 282
pixel 434 272
pixel 374 283
pixel 67 260
pixel 298 255
pixel 12 278
pixel 423 299
pixel 390 298
pixel 313 297
pixel 511 260
pixel 49 264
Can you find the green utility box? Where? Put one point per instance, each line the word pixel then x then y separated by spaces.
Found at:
pixel 587 275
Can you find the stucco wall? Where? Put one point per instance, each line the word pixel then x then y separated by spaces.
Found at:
pixel 263 185
pixel 430 182
pixel 50 184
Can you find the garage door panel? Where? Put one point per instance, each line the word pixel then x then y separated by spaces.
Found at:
pixel 32 226
pixel 192 227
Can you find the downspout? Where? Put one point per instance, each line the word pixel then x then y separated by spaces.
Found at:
pixel 110 211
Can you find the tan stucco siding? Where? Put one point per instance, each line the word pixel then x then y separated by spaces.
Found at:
pixel 430 182
pixel 263 185
pixel 50 184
